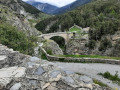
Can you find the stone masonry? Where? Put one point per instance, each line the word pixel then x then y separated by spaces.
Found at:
pixel 23 72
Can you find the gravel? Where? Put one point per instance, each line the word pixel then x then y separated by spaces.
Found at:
pixel 92 70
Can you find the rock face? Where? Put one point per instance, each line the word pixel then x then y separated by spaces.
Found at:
pixel 12 12
pixel 53 47
pixel 8 74
pixel 32 73
pixel 3 60
pixel 77 46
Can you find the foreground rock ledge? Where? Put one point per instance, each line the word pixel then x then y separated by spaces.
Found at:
pixel 8 74
pixel 23 72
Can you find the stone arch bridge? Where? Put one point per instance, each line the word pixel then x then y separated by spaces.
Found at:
pixel 65 35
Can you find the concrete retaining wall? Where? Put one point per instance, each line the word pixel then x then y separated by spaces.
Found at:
pixel 84 60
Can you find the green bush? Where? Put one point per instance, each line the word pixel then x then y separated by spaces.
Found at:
pixel 49 52
pixel 105 43
pixel 99 83
pixel 17 40
pixel 91 44
pixel 114 78
pixel 43 56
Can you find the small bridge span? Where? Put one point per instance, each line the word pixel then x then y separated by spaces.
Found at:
pixel 65 35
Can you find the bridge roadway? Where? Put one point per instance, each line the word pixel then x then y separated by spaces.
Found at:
pixel 65 35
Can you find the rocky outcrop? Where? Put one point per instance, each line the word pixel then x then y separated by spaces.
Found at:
pixel 77 46
pixel 8 74
pixel 12 12
pixel 52 46
pixel 36 74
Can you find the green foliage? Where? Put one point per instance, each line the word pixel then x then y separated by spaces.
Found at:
pixel 43 56
pixel 90 56
pixel 49 52
pixel 105 43
pixel 42 24
pixel 99 83
pixel 114 78
pixel 75 29
pixel 15 39
pixel 91 44
pixel 102 16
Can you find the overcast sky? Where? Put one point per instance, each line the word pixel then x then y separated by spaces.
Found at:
pixel 58 3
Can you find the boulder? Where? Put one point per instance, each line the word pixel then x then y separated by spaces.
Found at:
pixel 16 86
pixel 86 79
pixel 8 74
pixel 3 60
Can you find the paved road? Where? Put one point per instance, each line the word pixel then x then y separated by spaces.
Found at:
pixel 92 70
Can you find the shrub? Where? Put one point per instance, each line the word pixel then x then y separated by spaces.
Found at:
pixel 105 43
pixel 91 44
pixel 114 78
pixel 17 40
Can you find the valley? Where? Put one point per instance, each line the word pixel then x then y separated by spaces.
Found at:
pixel 48 47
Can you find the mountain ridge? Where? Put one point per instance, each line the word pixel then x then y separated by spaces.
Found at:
pixel 51 9
pixel 71 6
pixel 44 7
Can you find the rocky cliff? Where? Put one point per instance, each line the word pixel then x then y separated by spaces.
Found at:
pixel 22 72
pixel 14 13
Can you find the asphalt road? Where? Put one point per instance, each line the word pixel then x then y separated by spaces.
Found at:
pixel 92 70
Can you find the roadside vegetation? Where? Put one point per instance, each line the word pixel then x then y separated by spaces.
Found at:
pixel 115 78
pixel 75 29
pixel 16 39
pixel 90 56
pixel 99 83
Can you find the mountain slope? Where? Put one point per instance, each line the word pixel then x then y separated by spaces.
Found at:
pixel 71 6
pixel 51 9
pixel 44 7
pixel 18 14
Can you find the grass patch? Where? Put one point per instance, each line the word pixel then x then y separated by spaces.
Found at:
pixel 75 29
pixel 79 73
pixel 90 56
pixel 115 78
pixel 70 61
pixel 43 56
pixel 99 83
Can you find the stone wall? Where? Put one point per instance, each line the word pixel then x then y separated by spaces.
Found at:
pixel 13 58
pixel 53 47
pixel 77 46
pixel 82 60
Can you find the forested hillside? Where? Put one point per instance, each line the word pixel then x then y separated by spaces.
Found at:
pixel 103 18
pixel 97 14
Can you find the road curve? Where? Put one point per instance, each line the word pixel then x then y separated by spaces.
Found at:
pixel 92 70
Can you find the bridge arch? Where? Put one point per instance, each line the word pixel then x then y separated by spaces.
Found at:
pixel 60 41
pixel 65 35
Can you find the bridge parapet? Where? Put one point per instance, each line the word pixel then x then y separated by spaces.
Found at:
pixel 65 35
